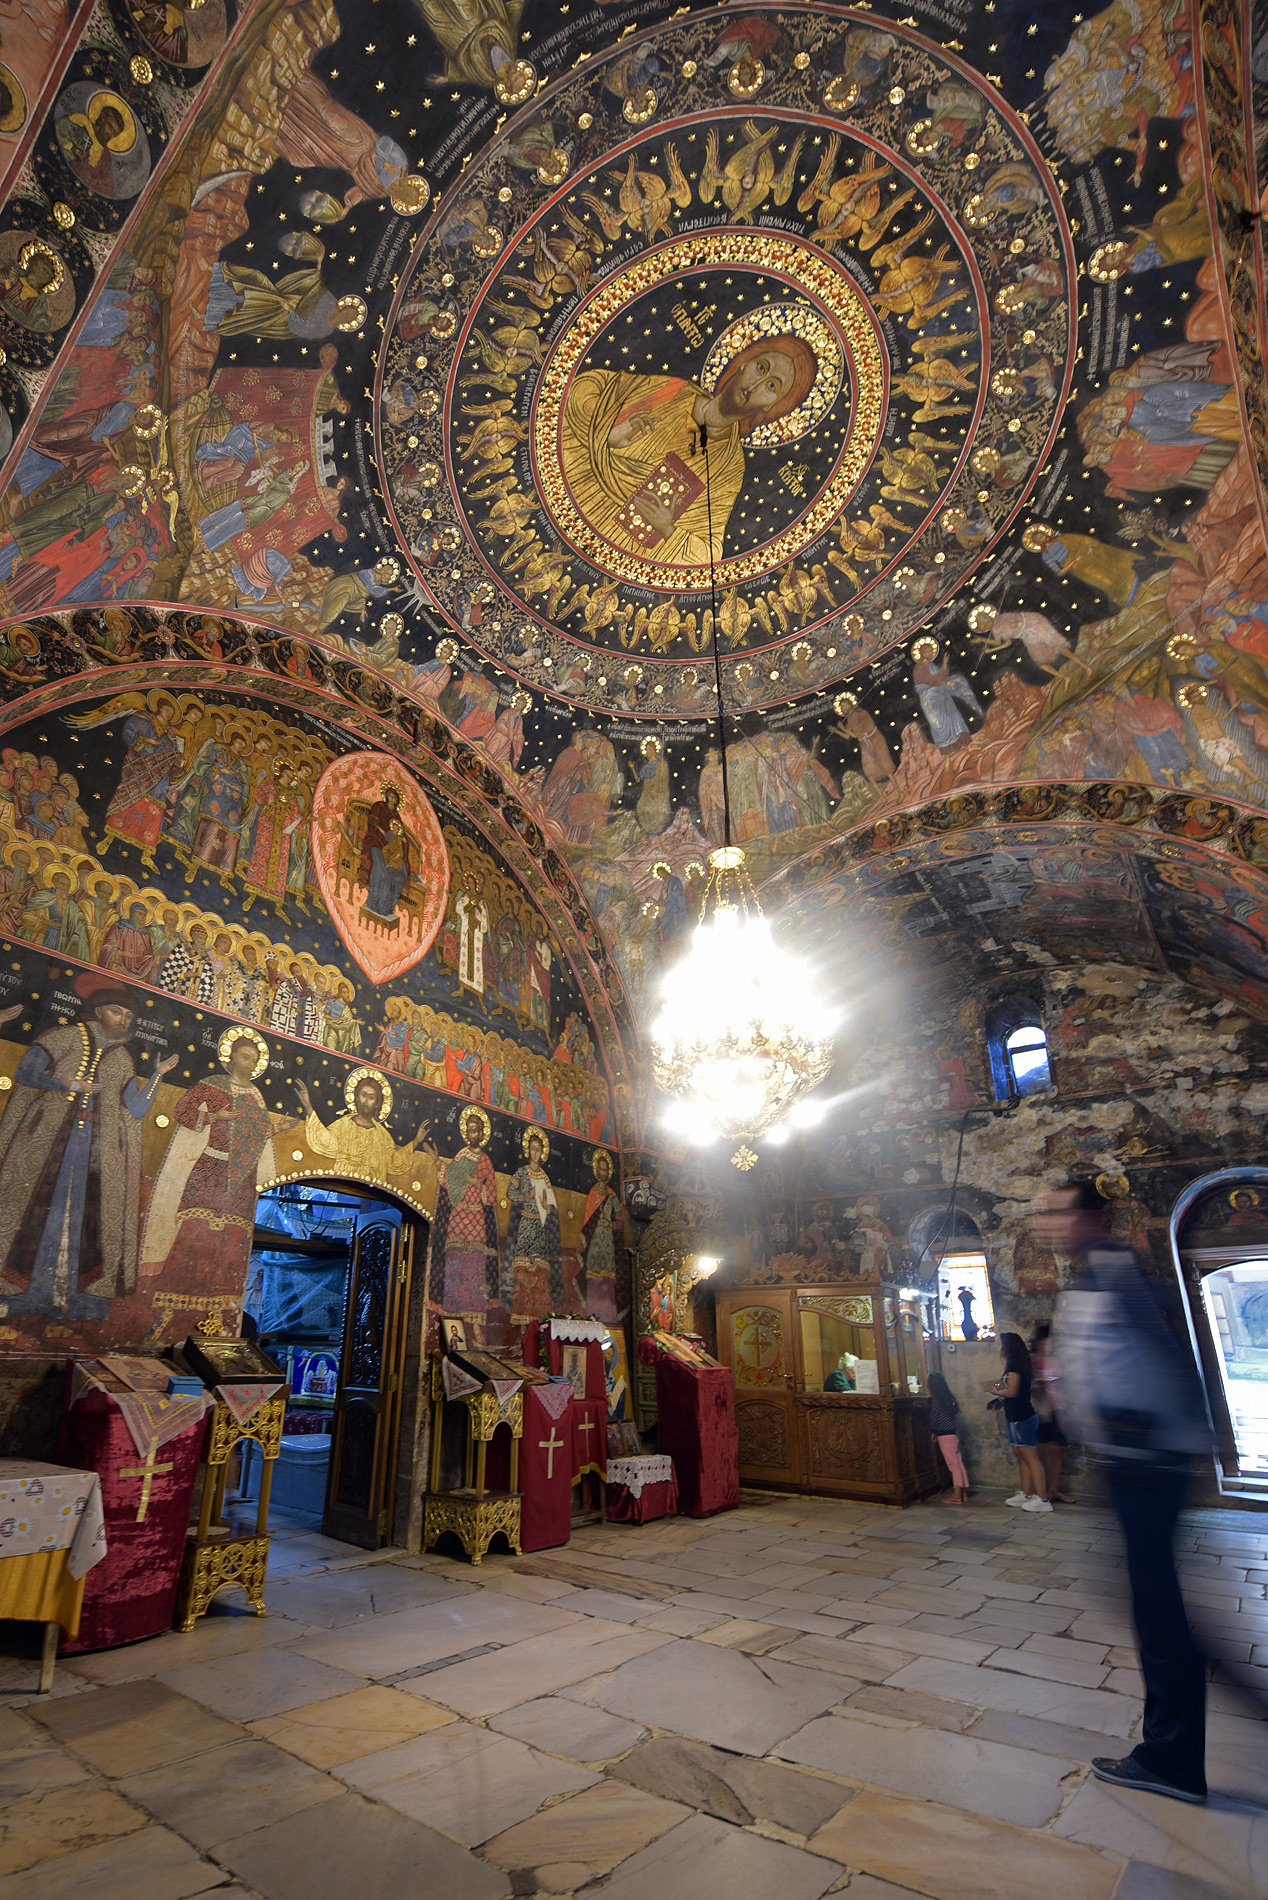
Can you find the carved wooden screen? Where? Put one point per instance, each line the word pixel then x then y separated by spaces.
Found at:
pixel 367 1404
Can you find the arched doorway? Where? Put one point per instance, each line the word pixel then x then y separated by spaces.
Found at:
pixel 1219 1243
pixel 336 1289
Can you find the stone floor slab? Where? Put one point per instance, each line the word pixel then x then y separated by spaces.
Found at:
pixel 245 1786
pixel 411 1638
pixel 332 1600
pixel 469 1788
pixel 704 1859
pixel 569 1728
pixel 150 1865
pixel 576 1841
pixel 522 1672
pixel 232 1632
pixel 734 1788
pixel 981 1777
pixel 36 1770
pixel 58 1820
pixel 354 1846
pixel 135 1726
pixel 1140 1881
pixel 266 1682
pixel 948 1855
pixel 717 1695
pixel 609 1604
pixel 348 1726
pixel 994 1689
pixel 1226 1842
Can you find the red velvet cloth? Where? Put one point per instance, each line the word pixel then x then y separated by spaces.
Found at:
pixel 654 1500
pixel 695 1413
pixel 589 1446
pixel 546 1462
pixel 131 1593
pixel 596 1383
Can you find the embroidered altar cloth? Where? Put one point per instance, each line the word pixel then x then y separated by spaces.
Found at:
pixel 51 1507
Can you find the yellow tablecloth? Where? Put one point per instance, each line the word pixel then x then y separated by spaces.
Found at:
pixel 38 1588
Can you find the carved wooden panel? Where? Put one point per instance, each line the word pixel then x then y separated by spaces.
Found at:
pixel 763 1429
pixel 845 1443
pixel 359 1430
pixel 370 1298
pixel 757 1334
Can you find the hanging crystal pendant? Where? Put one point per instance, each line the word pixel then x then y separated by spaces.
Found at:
pixel 742 1033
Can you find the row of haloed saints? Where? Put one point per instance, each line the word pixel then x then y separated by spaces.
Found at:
pixel 73 1239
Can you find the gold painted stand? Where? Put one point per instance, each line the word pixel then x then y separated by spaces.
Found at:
pixel 474 1514
pixel 214 1558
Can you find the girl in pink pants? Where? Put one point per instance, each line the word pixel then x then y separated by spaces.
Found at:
pixel 944 1424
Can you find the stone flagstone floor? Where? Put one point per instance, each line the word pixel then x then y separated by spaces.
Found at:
pixel 797 1698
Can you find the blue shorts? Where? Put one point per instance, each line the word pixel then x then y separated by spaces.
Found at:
pixel 1023 1431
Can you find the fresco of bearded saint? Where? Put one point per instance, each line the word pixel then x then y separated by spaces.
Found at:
pixel 630 447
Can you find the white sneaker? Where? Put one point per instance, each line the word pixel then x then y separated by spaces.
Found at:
pixel 1036 1504
pixel 1018 1498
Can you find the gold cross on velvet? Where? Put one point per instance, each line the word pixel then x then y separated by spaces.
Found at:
pixel 587 1427
pixel 550 1446
pixel 147 1474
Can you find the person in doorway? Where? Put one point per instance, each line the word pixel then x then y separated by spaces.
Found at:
pixel 1135 1400
pixel 1050 1440
pixel 1022 1420
pixel 944 1417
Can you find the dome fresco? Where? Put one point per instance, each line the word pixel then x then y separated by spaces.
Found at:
pixel 447 373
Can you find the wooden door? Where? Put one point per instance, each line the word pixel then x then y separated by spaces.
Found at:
pixel 756 1340
pixel 366 1431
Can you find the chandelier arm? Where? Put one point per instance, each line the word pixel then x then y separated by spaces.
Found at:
pixel 717 659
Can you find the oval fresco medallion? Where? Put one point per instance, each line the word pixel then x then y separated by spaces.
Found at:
pixel 381 863
pixel 786 349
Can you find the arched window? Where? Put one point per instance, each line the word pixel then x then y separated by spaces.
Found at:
pixel 1026 1053
pixel 1018 1049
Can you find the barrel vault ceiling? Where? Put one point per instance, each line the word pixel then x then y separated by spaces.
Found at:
pixel 449 368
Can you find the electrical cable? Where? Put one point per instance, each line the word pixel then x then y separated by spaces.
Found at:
pixel 717 658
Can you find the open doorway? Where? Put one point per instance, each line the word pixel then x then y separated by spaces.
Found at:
pixel 335 1290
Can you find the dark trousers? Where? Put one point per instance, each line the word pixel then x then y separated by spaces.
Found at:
pixel 1148 1499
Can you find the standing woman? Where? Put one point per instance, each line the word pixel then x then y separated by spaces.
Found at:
pixel 944 1413
pixel 1051 1440
pixel 1022 1420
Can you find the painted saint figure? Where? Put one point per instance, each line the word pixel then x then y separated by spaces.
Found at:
pixel 464 1235
pixel 360 1141
pixel 70 1160
pixel 533 1277
pixel 201 1218
pixel 385 868
pixel 602 1241
pixel 135 813
pixel 631 447
pixel 938 689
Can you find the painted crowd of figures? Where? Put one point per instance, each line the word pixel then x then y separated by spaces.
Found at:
pixel 64 904
pixel 475 1275
pixel 81 1227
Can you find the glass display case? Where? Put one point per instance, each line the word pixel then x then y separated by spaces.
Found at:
pixel 831 1387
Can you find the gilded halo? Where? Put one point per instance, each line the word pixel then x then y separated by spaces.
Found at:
pixel 536 1134
pixel 601 1154
pixel 783 319
pixel 373 1075
pixel 224 1048
pixel 465 1113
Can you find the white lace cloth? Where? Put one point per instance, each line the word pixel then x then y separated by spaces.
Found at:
pixel 51 1507
pixel 578 1329
pixel 634 1473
